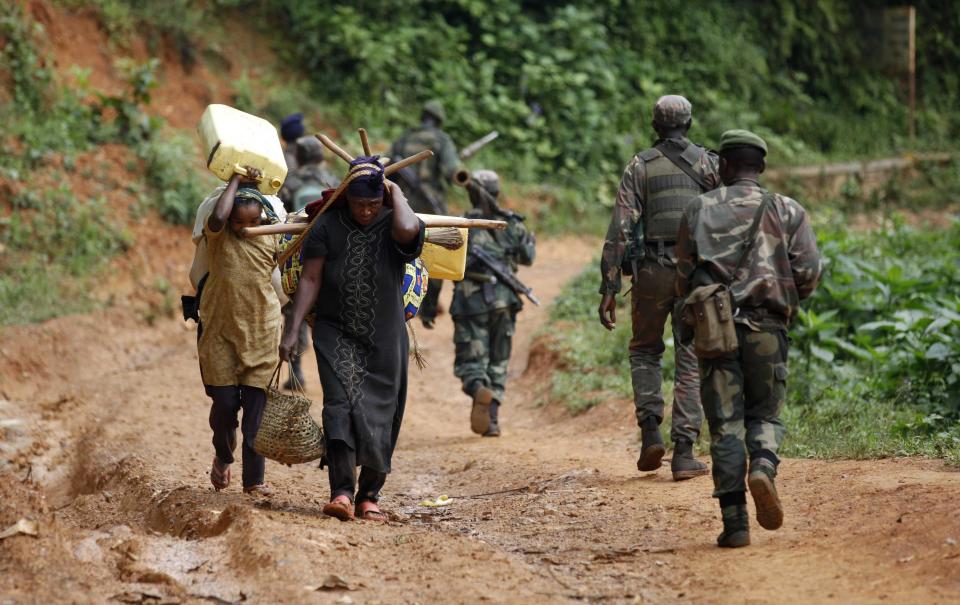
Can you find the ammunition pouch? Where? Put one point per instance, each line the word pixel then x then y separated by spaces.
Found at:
pixel 709 311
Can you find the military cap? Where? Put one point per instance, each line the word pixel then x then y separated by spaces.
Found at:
pixel 671 111
pixel 732 139
pixel 489 180
pixel 435 108
pixel 309 150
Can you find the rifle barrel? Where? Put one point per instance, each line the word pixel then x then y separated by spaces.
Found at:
pixel 471 149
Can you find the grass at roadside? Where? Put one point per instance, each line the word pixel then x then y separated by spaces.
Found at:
pixel 875 360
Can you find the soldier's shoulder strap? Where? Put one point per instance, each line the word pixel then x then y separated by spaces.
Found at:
pixel 685 160
pixel 648 155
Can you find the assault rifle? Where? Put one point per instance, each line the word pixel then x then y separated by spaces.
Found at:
pixel 488 203
pixel 501 272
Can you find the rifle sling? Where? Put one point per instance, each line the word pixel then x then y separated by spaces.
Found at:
pixel 751 237
pixel 676 157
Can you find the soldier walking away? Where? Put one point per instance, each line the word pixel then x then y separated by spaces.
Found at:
pixel 303 185
pixel 484 308
pixel 291 129
pixel 743 391
pixel 657 185
pixel 426 183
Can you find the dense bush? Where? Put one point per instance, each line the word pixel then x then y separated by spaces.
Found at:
pixel 571 85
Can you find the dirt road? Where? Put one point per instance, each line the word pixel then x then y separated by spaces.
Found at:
pixel 104 441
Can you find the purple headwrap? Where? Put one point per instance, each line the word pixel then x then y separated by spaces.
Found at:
pixel 367 178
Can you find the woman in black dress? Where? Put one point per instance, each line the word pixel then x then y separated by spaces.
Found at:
pixel 353 265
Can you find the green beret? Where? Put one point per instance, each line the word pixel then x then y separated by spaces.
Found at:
pixel 741 138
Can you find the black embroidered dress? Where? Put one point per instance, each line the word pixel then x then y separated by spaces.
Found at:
pixel 359 333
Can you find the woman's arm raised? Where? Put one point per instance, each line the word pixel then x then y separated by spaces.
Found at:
pixel 406 225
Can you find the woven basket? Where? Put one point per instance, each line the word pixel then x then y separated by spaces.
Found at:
pixel 288 434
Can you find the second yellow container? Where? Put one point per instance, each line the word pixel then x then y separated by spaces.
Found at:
pixel 446 264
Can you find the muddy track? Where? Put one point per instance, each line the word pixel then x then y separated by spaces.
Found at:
pixel 105 442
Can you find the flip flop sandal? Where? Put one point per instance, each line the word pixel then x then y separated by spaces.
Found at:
pixel 369 511
pixel 339 508
pixel 219 475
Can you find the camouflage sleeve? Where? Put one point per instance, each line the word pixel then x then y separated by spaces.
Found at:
pixel 627 210
pixel 526 243
pixel 711 169
pixel 805 260
pixel 686 257
pixel 448 160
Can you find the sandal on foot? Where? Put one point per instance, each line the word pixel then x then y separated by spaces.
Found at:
pixel 219 475
pixel 369 511
pixel 339 508
pixel 260 489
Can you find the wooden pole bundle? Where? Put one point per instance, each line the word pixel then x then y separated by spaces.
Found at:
pixel 342 154
pixel 429 220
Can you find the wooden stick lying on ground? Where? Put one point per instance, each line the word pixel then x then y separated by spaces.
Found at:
pixel 429 220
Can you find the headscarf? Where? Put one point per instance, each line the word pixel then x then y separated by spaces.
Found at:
pixel 366 177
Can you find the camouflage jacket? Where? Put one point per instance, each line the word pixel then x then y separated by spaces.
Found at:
pixel 514 246
pixel 628 211
pixel 781 269
pixel 435 173
pixel 313 174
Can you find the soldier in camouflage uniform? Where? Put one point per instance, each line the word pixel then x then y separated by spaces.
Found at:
pixel 484 311
pixel 743 392
pixel 435 175
pixel 307 182
pixel 303 185
pixel 657 185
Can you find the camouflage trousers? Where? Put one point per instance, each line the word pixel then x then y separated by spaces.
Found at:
pixel 431 300
pixel 653 299
pixel 743 394
pixel 483 344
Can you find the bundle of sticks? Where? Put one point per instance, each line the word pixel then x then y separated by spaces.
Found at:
pixel 429 220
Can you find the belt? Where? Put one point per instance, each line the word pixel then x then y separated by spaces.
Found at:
pixel 761 314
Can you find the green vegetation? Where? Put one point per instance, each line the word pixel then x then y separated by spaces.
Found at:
pixel 570 86
pixel 875 359
pixel 54 243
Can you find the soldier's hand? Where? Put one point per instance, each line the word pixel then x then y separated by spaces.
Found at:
pixel 608 311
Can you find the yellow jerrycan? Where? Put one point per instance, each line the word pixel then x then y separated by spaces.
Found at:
pixel 232 138
pixel 445 264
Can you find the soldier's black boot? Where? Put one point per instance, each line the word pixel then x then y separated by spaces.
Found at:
pixel 480 412
pixel 296 378
pixel 651 447
pixel 494 428
pixel 764 492
pixel 683 464
pixel 736 521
